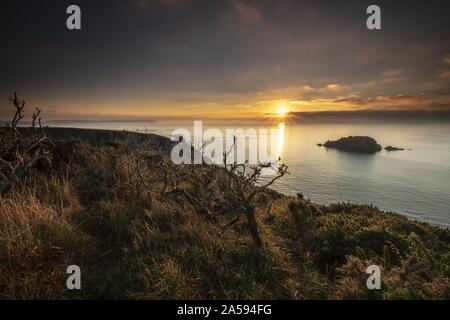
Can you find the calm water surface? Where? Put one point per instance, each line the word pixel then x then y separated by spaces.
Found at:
pixel 413 182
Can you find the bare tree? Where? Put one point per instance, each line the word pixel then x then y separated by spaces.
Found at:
pixel 35 115
pixel 232 188
pixel 19 105
pixel 21 149
pixel 244 185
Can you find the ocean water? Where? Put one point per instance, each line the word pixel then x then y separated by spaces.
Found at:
pixel 413 182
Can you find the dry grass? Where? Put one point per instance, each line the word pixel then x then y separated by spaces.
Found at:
pixel 114 210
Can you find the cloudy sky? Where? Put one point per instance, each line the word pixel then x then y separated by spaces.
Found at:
pixel 223 58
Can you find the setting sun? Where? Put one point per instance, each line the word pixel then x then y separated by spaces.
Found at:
pixel 282 111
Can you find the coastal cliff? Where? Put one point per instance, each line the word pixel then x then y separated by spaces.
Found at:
pixel 141 227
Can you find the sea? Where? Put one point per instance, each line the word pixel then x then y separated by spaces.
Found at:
pixel 414 182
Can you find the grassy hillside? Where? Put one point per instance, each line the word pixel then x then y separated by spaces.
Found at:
pixel 142 228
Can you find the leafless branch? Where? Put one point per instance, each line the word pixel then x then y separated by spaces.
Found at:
pixel 35 115
pixel 21 149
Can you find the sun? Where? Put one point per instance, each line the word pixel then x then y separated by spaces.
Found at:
pixel 282 111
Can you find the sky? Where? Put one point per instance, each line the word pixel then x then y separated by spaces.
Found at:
pixel 145 59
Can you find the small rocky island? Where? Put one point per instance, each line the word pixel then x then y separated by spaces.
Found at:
pixel 358 144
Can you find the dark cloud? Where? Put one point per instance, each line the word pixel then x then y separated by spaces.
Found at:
pixel 132 50
pixel 351 99
pixel 372 116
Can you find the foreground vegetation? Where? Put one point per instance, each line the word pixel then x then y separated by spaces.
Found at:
pixel 142 228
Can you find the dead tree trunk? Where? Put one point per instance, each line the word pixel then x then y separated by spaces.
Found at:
pixel 253 225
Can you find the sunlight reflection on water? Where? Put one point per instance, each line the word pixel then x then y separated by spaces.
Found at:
pixel 413 182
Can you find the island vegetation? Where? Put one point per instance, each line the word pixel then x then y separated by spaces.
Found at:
pixel 141 227
pixel 358 144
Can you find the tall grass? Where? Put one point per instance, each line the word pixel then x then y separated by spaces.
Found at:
pixel 113 209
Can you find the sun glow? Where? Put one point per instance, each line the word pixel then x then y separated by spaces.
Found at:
pixel 282 111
